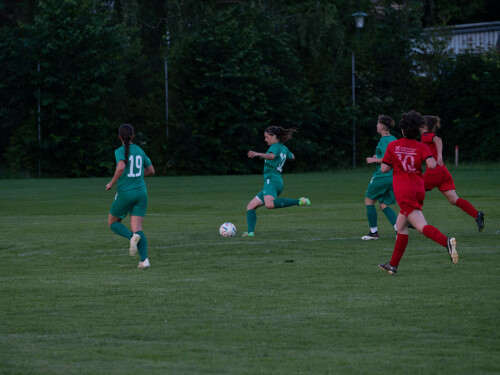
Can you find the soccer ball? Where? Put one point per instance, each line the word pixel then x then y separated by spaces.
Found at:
pixel 227 230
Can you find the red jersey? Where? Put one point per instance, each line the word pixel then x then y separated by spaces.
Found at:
pixel 406 156
pixel 428 139
pixel 438 177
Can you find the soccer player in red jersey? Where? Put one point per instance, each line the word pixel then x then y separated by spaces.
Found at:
pixel 440 177
pixel 405 156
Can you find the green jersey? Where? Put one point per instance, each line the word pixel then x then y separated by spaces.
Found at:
pixel 133 175
pixel 379 153
pixel 273 168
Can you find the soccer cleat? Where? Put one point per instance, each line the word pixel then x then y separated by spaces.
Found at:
pixel 388 268
pixel 480 220
pixel 144 264
pixel 451 243
pixel 304 202
pixel 248 234
pixel 371 236
pixel 133 244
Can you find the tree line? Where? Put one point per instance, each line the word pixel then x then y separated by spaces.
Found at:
pixel 201 80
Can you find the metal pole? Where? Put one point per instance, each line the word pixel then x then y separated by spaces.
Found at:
pixel 354 118
pixel 166 79
pixel 39 123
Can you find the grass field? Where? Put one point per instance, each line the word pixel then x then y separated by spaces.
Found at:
pixel 304 296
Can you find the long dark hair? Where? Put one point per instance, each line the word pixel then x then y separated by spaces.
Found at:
pixel 410 124
pixel 126 133
pixel 284 135
pixel 433 123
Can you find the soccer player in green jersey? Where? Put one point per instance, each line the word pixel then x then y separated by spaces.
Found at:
pixel 275 158
pixel 132 164
pixel 380 186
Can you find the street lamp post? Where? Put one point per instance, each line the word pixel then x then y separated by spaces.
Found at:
pixel 359 20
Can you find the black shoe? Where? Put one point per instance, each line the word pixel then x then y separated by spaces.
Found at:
pixel 388 268
pixel 371 236
pixel 410 226
pixel 480 220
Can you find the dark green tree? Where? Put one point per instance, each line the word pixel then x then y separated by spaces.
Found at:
pixel 78 50
pixel 467 100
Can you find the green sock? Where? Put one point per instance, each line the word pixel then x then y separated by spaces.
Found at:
pixel 121 230
pixel 251 220
pixel 285 202
pixel 371 212
pixel 142 246
pixel 390 214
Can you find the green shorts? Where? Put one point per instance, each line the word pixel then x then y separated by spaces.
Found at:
pixel 134 201
pixel 271 187
pixel 380 189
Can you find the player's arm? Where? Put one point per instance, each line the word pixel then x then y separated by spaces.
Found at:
pixel 430 162
pixel 384 167
pixel 439 148
pixel 149 171
pixel 268 156
pixel 373 159
pixel 120 167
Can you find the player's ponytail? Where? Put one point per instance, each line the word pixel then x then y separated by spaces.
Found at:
pixel 126 134
pixel 283 135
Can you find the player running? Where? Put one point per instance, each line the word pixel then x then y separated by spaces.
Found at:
pixel 440 177
pixel 132 164
pixel 380 186
pixel 405 156
pixel 275 158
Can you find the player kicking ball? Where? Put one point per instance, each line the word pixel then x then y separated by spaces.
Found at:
pixel 405 157
pixel 274 160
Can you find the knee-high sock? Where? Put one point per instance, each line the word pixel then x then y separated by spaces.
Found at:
pixel 121 230
pixel 142 245
pixel 285 202
pixel 434 234
pixel 251 220
pixel 391 215
pixel 467 207
pixel 371 213
pixel 399 249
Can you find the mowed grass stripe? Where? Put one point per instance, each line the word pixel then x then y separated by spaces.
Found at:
pixel 304 296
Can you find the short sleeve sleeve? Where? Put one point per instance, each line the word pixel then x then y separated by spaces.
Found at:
pixel 120 154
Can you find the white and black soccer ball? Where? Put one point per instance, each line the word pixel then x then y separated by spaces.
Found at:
pixel 227 230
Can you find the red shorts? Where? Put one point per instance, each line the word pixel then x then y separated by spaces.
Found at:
pixel 439 177
pixel 410 201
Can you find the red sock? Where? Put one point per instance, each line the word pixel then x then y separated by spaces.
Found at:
pixel 467 207
pixel 399 249
pixel 434 234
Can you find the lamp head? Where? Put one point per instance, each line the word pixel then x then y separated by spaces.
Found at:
pixel 359 19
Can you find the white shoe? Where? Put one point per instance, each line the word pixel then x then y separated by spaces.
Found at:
pixel 452 249
pixel 371 236
pixel 144 264
pixel 133 244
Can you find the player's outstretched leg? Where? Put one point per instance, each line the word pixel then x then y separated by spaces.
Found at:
pixel 121 230
pixel 286 202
